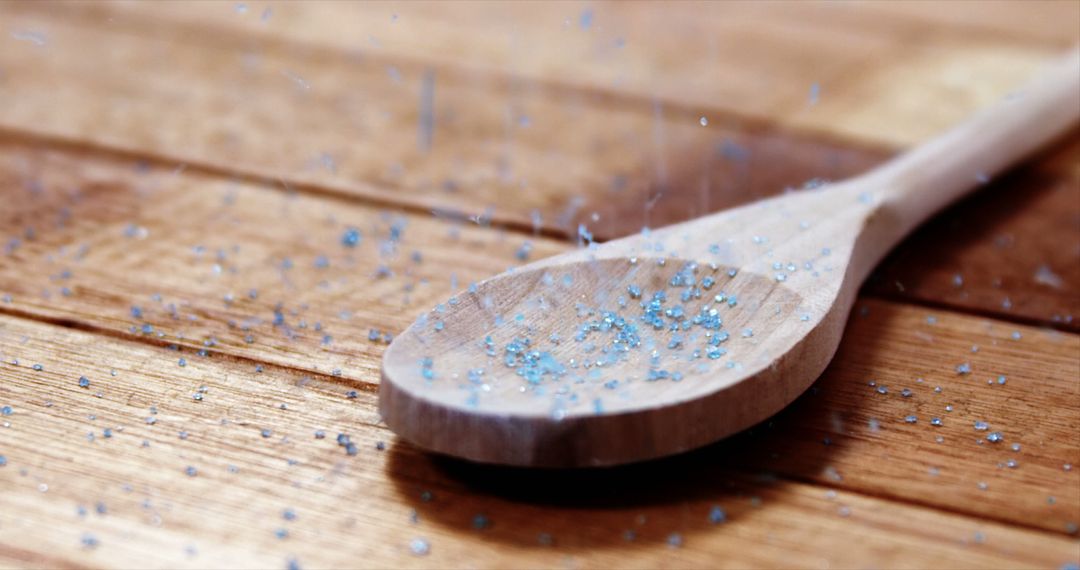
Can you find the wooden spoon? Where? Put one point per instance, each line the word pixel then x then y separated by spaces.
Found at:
pixel 561 363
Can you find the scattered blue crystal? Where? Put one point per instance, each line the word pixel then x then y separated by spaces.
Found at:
pixel 351 237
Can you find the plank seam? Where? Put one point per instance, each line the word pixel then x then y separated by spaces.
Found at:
pixel 61 322
pixel 943 509
pixel 273 183
pixel 898 299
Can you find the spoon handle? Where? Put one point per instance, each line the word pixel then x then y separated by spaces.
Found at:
pixel 915 185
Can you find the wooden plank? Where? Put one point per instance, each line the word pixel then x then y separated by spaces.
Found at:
pixel 515 146
pixel 710 55
pixel 129 500
pixel 252 270
pixel 92 256
pixel 348 123
pixel 751 58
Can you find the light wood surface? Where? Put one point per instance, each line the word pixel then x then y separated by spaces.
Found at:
pixel 118 96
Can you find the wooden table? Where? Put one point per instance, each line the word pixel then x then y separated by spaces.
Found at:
pixel 177 181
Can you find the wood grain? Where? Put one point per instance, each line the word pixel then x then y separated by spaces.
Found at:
pixel 142 509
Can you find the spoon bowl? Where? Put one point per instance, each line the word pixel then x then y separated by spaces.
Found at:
pixel 634 349
pixel 561 360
